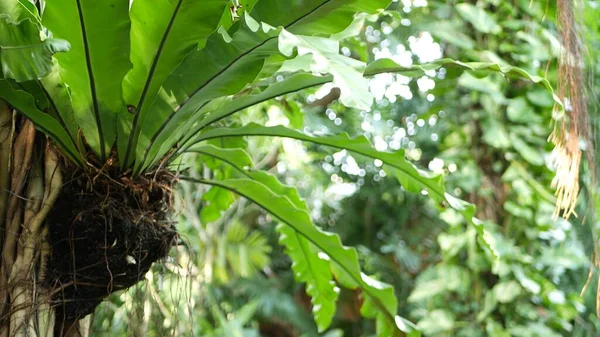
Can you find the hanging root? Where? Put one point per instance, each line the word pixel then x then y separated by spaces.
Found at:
pixel 6 139
pixel 20 159
pixel 42 192
pixel 574 128
pixel 30 182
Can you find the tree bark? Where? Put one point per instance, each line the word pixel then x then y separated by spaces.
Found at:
pixel 30 182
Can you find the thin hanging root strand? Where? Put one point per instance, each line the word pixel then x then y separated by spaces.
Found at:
pixel 6 139
pixel 22 153
pixel 45 318
pixel 575 125
pixel 20 292
pixel 33 202
pixel 20 161
pixel 44 189
pixel 53 182
pixel 32 307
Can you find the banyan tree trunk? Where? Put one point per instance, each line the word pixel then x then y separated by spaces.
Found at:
pixel 30 183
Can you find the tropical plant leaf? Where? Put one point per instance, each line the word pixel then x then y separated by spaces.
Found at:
pixel 191 86
pixel 323 57
pixel 412 179
pixel 18 10
pixel 98 32
pixel 481 68
pixel 300 81
pixel 223 68
pixel 314 17
pixel 293 83
pixel 235 157
pixel 23 54
pixel 157 47
pixel 215 202
pixel 313 270
pixel 25 104
pixel 380 305
pixel 59 98
pixel 308 267
pixel 39 73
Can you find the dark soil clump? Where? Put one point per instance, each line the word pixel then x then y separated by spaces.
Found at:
pixel 105 234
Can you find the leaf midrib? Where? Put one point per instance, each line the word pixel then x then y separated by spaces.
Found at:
pixel 360 282
pixel 88 61
pixel 141 101
pixel 204 124
pixel 172 114
pixel 55 108
pixel 428 185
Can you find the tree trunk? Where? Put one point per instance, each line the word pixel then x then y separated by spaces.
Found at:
pixel 30 183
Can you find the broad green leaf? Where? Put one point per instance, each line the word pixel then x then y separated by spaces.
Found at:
pixel 227 64
pixel 24 55
pixel 478 17
pixel 324 58
pixel 227 19
pixel 290 84
pixel 353 30
pixel 311 269
pixel 412 178
pixel 308 267
pixel 314 17
pixel 162 33
pixel 59 98
pixel 387 65
pixel 94 67
pixel 346 259
pixel 25 104
pixel 302 81
pixel 216 201
pixel 18 10
pixel 44 93
pixel 34 88
pixel 223 68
